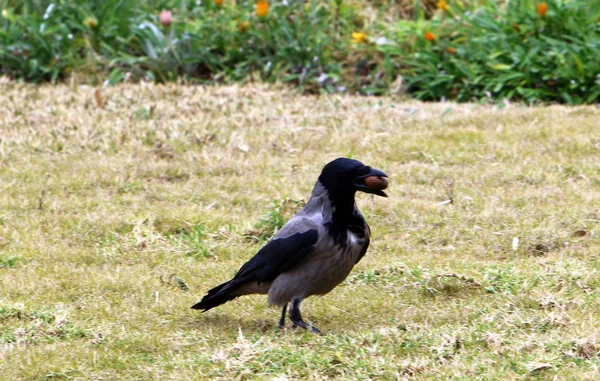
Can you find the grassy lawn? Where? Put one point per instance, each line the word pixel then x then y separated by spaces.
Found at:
pixel 115 220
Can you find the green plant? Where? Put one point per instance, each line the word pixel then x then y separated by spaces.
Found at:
pixel 35 48
pixel 194 242
pixel 490 50
pixel 296 42
pixel 518 52
pixel 276 216
pixel 10 262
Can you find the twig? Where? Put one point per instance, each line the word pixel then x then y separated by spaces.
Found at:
pixel 43 194
pixel 475 227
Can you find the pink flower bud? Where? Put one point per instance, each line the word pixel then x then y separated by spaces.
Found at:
pixel 166 18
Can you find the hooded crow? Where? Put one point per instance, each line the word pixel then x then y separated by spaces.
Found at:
pixel 315 250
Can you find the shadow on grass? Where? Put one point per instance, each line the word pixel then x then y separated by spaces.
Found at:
pixel 225 322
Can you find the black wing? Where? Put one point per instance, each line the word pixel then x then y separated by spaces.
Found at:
pixel 276 257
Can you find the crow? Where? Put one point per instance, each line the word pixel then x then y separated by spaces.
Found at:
pixel 315 250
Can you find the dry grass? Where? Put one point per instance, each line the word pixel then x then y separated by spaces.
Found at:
pixel 108 215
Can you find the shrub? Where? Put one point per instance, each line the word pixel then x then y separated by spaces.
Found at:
pixel 300 42
pixel 469 50
pixel 525 51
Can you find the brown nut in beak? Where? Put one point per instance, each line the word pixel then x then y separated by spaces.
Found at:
pixel 376 182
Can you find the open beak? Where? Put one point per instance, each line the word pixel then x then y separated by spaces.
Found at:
pixel 373 182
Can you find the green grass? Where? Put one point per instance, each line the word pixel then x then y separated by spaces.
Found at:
pixel 114 222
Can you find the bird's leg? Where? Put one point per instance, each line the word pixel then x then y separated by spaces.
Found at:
pixel 282 320
pixel 296 318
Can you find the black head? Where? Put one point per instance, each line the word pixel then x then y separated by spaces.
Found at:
pixel 346 176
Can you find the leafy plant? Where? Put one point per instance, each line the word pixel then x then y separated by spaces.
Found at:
pixel 276 216
pixel 194 240
pixel 520 52
pixel 10 262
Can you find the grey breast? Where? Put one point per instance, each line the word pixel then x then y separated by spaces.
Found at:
pixel 323 269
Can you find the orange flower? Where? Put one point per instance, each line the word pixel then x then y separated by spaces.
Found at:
pixel 359 37
pixel 443 5
pixel 218 3
pixel 262 8
pixel 451 50
pixel 429 36
pixel 542 9
pixel 243 26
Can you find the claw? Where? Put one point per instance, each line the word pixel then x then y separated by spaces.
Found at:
pixel 305 325
pixel 296 317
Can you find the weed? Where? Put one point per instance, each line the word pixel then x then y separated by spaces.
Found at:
pixel 10 262
pixel 194 242
pixel 276 216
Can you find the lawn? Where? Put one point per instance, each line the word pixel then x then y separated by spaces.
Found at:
pixel 114 220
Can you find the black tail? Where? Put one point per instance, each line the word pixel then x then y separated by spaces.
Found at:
pixel 217 296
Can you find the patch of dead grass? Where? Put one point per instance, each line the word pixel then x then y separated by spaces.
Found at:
pixel 111 210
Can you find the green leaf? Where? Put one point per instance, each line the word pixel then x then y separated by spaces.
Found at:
pixel 501 67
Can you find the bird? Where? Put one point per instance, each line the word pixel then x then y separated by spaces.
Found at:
pixel 315 250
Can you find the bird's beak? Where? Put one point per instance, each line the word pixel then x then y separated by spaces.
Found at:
pixel 373 182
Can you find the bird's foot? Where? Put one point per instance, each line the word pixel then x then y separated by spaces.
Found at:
pixel 296 317
pixel 308 327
